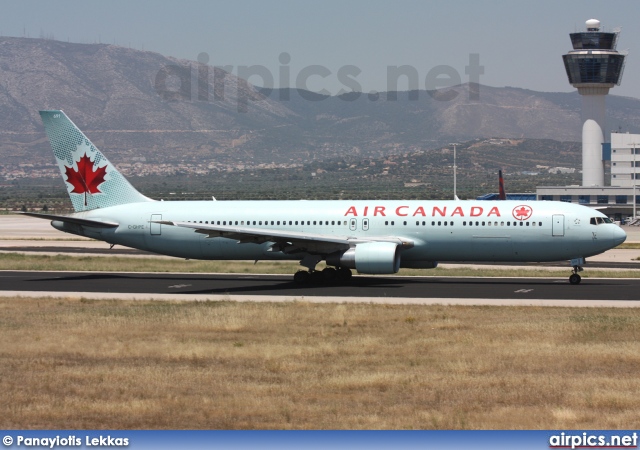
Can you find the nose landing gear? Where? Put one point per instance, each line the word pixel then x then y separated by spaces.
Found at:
pixel 577 263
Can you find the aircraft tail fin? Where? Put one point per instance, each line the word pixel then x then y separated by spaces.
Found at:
pixel 503 194
pixel 92 181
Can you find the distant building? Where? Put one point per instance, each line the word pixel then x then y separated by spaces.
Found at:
pixel 625 159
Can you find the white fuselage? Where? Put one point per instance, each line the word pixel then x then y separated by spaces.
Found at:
pixel 439 230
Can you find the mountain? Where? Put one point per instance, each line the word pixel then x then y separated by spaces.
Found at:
pixel 168 111
pixel 117 96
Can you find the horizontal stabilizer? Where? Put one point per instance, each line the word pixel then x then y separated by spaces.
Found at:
pixel 74 220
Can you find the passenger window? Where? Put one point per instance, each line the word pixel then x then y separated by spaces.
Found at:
pixel 501 224
pixel 439 223
pixel 527 223
pixel 521 224
pixel 392 222
pixel 333 222
pixel 539 224
pixel 433 224
pixel 488 224
pixel 417 222
pixel 314 222
pixel 482 223
pixel 405 222
pixel 424 223
pixel 386 222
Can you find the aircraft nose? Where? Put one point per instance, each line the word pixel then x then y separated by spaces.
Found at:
pixel 619 236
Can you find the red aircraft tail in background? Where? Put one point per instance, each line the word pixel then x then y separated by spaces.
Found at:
pixel 503 195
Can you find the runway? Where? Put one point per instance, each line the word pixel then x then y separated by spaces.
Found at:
pixel 378 289
pixel 24 234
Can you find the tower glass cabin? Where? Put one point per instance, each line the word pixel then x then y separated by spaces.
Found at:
pixel 593 67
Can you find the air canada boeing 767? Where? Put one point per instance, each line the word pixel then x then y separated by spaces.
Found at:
pixel 370 236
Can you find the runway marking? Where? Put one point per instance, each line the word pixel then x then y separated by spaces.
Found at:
pixel 523 291
pixel 178 286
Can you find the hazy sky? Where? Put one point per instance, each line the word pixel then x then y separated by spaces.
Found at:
pixel 519 43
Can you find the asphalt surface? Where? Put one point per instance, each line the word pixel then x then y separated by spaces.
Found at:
pixel 379 287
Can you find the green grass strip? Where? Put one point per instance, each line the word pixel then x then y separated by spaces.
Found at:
pixel 19 261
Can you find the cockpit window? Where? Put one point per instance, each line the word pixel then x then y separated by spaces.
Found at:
pixel 599 220
pixel 607 220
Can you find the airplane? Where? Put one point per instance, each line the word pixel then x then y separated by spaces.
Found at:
pixel 370 236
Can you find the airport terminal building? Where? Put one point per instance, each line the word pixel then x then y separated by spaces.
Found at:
pixel 617 199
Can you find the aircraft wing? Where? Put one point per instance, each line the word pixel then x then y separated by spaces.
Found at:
pixel 285 241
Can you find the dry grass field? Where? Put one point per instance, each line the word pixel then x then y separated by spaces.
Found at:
pixel 79 363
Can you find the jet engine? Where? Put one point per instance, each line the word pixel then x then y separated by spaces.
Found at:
pixel 369 257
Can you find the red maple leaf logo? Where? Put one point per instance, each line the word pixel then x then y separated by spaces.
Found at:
pixel 522 212
pixel 85 179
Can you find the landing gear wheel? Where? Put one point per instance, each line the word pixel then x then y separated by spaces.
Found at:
pixel 343 274
pixel 575 278
pixel 329 274
pixel 301 277
pixel 316 277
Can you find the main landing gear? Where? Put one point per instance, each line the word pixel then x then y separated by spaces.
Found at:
pixel 326 276
pixel 575 278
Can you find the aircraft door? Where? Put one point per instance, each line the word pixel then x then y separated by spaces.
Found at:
pixel 365 224
pixel 557 225
pixel 353 223
pixel 155 228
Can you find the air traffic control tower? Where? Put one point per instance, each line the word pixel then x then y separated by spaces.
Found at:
pixel 593 67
